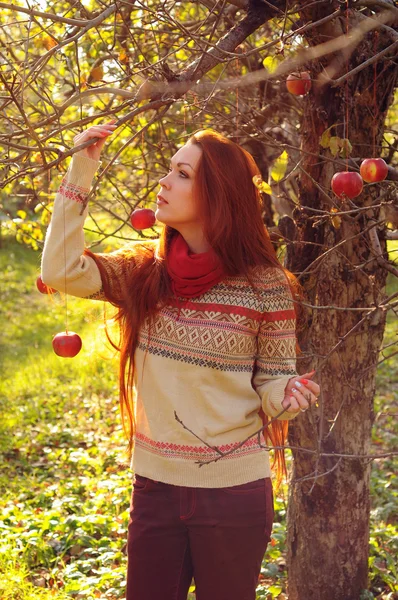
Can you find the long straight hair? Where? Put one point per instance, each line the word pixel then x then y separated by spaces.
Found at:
pixel 231 208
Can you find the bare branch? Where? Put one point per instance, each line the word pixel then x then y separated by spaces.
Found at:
pixel 44 15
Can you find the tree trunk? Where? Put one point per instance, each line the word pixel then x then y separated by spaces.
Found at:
pixel 328 516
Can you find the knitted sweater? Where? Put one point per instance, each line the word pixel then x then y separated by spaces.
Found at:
pixel 213 363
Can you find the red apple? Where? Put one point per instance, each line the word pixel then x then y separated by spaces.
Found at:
pixel 67 344
pixel 142 218
pixel 299 83
pixel 373 170
pixel 43 288
pixel 347 184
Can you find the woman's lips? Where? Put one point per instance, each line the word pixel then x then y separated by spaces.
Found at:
pixel 161 200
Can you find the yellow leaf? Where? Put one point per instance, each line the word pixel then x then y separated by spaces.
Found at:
pixel 97 73
pixel 261 185
pixel 49 42
pixel 36 157
pixel 21 214
pixel 266 188
pixel 123 56
pixel 270 63
pixel 336 220
pixel 279 167
pixel 181 54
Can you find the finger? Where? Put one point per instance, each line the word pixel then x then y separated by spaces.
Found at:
pixel 92 132
pixel 313 388
pixel 303 400
pixel 96 129
pixel 98 135
pixel 294 405
pixel 303 384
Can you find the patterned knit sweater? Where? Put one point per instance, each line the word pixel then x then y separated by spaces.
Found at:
pixel 214 363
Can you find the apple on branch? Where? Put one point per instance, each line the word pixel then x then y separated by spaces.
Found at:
pixel 347 184
pixel 298 84
pixel 67 344
pixel 142 218
pixel 373 170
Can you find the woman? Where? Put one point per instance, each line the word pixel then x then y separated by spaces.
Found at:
pixel 208 344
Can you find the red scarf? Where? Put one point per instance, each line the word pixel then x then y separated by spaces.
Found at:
pixel 192 274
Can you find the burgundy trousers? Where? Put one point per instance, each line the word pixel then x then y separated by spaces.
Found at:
pixel 218 536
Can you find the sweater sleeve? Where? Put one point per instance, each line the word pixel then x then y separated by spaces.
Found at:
pixel 276 355
pixel 67 265
pixel 64 266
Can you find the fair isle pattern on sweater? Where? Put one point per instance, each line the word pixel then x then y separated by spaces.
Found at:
pixel 207 338
pixel 73 192
pixel 225 335
pixel 196 453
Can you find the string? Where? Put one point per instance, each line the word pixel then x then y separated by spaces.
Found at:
pixel 66 291
pixel 374 93
pixel 237 97
pixel 184 111
pixel 346 90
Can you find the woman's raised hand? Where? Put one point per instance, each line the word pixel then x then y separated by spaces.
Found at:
pixel 96 131
pixel 300 393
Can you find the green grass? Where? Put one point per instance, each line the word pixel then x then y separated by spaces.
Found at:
pixel 65 483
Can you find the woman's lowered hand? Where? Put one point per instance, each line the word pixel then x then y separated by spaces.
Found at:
pixel 301 392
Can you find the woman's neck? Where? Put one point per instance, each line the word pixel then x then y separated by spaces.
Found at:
pixel 196 241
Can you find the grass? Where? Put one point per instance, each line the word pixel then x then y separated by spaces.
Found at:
pixel 65 483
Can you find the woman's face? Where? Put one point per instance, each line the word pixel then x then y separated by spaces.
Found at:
pixel 176 205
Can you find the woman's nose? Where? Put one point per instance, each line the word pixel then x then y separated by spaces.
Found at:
pixel 164 182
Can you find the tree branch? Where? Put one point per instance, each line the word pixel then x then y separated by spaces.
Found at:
pixel 44 15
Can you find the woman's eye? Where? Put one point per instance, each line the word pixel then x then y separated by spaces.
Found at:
pixel 182 173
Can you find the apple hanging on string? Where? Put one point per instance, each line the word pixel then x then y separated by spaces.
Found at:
pixel 299 84
pixel 67 344
pixel 142 218
pixel 43 288
pixel 347 184
pixel 373 170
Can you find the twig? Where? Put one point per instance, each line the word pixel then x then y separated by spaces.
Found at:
pixel 365 64
pixel 44 15
pixel 215 448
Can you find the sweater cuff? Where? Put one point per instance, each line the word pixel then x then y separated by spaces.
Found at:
pixel 81 171
pixel 273 399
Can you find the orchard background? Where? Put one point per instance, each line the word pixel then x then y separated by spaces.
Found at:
pixel 164 70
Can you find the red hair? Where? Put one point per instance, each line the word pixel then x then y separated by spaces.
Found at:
pixel 232 215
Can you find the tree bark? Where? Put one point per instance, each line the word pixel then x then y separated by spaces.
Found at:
pixel 328 515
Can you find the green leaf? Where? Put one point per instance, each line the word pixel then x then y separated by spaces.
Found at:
pixel 335 145
pixel 279 167
pixel 325 138
pixel 346 148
